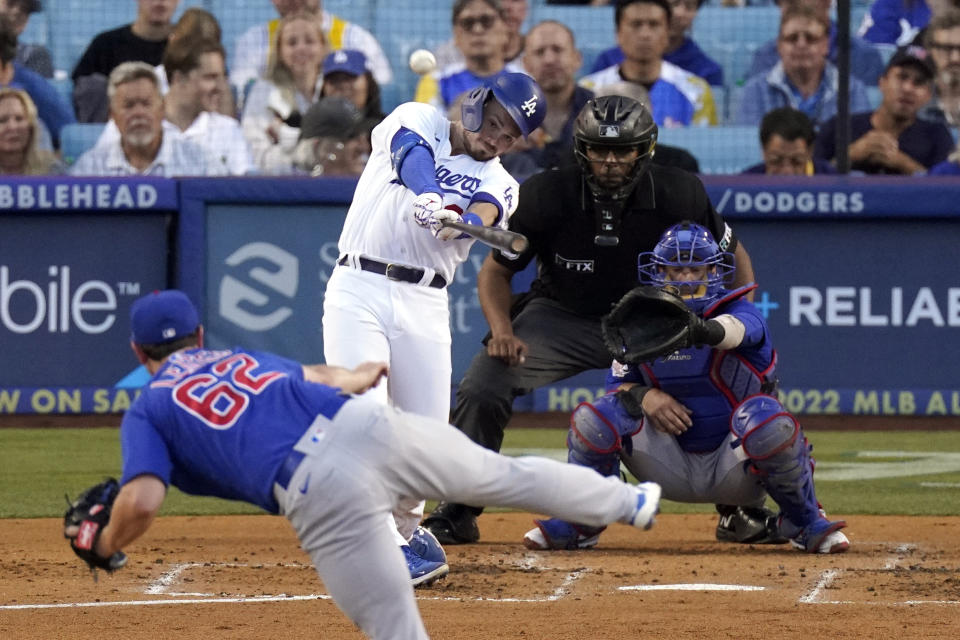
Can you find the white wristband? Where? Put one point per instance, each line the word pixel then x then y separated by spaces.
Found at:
pixel 733 332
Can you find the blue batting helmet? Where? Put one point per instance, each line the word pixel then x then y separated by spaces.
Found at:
pixel 687 244
pixel 518 93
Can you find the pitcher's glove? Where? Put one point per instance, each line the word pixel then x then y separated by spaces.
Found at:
pixel 85 520
pixel 649 323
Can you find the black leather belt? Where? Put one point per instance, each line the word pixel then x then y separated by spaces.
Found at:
pixel 395 271
pixel 288 468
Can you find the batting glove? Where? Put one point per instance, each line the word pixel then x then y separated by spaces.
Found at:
pixel 446 233
pixel 425 207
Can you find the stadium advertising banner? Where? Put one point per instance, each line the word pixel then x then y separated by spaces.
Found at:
pixel 265 281
pixel 857 278
pixel 74 254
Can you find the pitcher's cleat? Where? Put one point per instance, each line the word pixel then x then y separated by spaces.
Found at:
pixel 648 505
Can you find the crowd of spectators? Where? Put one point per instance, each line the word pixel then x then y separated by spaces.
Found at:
pixel 246 112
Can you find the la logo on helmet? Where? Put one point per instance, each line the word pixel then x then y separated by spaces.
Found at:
pixel 530 106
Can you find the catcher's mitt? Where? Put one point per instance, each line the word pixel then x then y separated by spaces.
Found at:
pixel 648 323
pixel 84 521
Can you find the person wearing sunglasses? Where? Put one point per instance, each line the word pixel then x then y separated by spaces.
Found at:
pixel 481 35
pixel 866 61
pixel 803 78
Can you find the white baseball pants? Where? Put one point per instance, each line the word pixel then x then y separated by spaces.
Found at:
pixel 367 317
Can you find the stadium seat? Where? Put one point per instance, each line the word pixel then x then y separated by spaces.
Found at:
pixel 37 31
pixel 401 27
pixel 236 16
pixel 719 150
pixel 731 35
pixel 77 138
pixel 720 101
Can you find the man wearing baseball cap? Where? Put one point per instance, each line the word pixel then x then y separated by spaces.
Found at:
pixel 891 140
pixel 164 317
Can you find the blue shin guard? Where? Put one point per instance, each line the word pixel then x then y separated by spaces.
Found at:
pixel 598 432
pixel 772 439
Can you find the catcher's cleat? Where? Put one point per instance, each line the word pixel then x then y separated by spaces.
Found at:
pixel 423 572
pixel 822 536
pixel 559 534
pixel 748 525
pixel 424 544
pixel 453 524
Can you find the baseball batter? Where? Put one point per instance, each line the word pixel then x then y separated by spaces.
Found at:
pixel 700 421
pixel 387 299
pixel 291 439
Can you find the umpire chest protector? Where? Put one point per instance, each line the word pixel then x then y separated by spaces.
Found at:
pixel 556 214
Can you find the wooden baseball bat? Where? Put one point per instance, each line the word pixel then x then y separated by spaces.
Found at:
pixel 509 241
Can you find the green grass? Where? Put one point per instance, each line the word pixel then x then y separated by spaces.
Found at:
pixel 40 465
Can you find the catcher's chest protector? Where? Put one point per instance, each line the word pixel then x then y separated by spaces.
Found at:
pixel 708 382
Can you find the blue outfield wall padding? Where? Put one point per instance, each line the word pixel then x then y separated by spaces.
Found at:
pixel 854 273
pixel 197 193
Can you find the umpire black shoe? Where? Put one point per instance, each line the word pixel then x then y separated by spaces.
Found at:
pixel 453 523
pixel 748 525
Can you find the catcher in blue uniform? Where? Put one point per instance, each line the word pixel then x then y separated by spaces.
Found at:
pixel 690 405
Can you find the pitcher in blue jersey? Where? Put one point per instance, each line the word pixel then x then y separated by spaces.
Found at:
pixel 291 439
pixel 702 422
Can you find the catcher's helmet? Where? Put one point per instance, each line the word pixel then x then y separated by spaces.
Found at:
pixel 519 94
pixel 687 244
pixel 615 121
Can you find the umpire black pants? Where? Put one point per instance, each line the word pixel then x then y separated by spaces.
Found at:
pixel 561 344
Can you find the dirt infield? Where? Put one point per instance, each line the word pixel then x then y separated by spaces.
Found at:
pixel 199 578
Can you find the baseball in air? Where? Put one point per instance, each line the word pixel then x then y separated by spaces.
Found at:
pixel 422 62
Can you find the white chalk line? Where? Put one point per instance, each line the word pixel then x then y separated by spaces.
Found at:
pixel 823 582
pixel 891 563
pixel 133 603
pixel 826 578
pixel 162 584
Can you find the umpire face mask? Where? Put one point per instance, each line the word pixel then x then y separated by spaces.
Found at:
pixel 611 167
pixel 611 173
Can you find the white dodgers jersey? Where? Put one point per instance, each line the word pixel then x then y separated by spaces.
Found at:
pixel 380 221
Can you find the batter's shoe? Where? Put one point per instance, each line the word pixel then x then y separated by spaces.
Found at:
pixel 748 525
pixel 453 523
pixel 423 572
pixel 425 545
pixel 560 534
pixel 822 536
